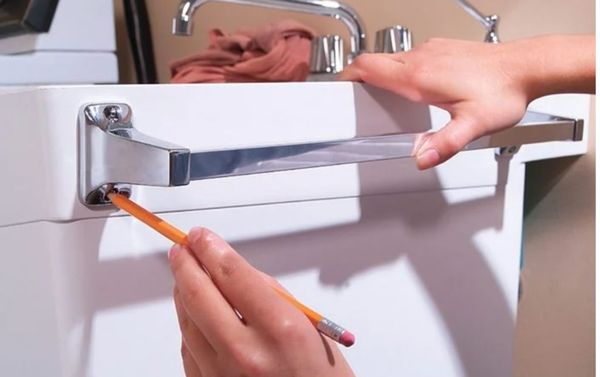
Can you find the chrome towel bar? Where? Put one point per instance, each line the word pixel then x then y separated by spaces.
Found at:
pixel 113 154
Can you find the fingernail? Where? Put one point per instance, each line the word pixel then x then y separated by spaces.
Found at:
pixel 174 251
pixel 428 158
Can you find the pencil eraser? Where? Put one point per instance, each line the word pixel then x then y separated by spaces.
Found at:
pixel 347 339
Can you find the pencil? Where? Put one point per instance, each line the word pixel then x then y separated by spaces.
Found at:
pixel 322 324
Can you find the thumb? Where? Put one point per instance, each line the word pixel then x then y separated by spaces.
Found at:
pixel 437 147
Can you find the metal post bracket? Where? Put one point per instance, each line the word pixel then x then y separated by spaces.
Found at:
pixel 114 155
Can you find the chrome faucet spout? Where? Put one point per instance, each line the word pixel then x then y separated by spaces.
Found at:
pixel 182 22
pixel 489 22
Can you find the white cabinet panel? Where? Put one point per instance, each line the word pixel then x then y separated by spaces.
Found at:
pixel 422 266
pixel 404 272
pixel 40 130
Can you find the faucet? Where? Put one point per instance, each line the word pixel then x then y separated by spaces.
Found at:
pixel 182 22
pixel 489 22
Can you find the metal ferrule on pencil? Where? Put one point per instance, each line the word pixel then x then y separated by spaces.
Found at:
pixel 331 329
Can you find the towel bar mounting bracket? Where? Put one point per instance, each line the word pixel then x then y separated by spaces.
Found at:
pixel 113 155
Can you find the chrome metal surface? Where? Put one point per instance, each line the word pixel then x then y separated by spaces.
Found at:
pixel 534 128
pixel 301 156
pixel 327 54
pixel 182 22
pixel 578 130
pixel 113 154
pixel 331 329
pixel 99 197
pixel 393 39
pixel 507 151
pixel 489 22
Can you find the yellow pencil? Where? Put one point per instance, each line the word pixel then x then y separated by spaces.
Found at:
pixel 324 325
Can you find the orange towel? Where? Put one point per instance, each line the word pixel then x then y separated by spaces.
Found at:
pixel 278 51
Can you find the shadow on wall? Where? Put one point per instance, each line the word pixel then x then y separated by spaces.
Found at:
pixel 412 225
pixel 451 268
pixel 449 265
pixel 538 172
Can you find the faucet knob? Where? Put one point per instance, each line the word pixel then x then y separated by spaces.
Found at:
pixel 492 29
pixel 327 54
pixel 489 22
pixel 393 39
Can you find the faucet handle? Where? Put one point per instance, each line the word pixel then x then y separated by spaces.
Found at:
pixel 489 22
pixel 492 29
pixel 327 54
pixel 393 39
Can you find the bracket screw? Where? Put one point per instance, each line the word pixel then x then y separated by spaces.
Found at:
pixel 507 151
pixel 112 113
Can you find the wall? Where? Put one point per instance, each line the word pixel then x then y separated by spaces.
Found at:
pixel 555 325
pixel 427 18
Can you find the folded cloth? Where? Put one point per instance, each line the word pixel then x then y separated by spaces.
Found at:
pixel 278 51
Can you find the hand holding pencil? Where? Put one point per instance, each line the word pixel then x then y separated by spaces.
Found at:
pixel 273 339
pixel 264 335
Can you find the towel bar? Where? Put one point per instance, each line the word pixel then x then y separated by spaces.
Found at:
pixel 113 154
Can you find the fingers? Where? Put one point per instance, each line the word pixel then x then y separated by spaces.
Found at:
pixel 437 147
pixel 205 306
pixel 272 281
pixel 351 73
pixel 189 364
pixel 419 140
pixel 396 72
pixel 386 71
pixel 194 341
pixel 371 68
pixel 278 340
pixel 240 283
